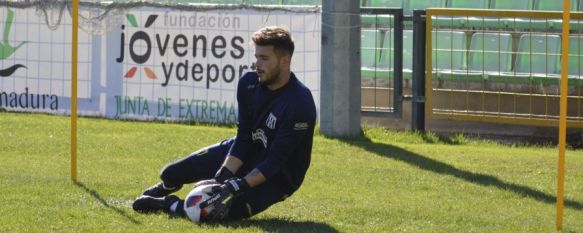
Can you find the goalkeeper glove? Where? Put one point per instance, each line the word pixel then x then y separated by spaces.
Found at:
pixel 222 174
pixel 222 199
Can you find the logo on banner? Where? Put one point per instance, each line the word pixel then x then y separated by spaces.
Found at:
pixel 184 54
pixel 139 36
pixel 6 50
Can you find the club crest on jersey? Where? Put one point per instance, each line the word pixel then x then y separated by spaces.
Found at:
pixel 271 120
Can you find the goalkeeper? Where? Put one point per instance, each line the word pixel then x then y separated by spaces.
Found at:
pixel 267 160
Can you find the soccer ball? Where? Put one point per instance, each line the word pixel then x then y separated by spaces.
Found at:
pixel 194 198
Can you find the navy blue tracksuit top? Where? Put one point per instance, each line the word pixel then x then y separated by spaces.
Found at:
pixel 275 129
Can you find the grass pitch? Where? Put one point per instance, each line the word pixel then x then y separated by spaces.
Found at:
pixel 385 181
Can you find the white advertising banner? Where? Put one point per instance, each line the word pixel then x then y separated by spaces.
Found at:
pixel 158 63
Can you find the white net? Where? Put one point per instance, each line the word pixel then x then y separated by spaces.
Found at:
pixel 99 17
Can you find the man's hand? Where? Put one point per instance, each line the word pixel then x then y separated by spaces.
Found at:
pixel 206 182
pixel 222 199
pixel 222 174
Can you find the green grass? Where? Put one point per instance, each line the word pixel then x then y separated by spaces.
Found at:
pixel 385 181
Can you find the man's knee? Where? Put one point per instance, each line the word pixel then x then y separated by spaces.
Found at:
pixel 185 171
pixel 165 172
pixel 170 174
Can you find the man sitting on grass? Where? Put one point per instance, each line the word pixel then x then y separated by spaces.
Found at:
pixel 267 160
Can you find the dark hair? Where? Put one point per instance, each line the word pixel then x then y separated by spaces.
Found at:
pixel 279 37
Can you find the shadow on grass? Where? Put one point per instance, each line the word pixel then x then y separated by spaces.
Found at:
pixel 98 197
pixel 438 167
pixel 433 139
pixel 279 225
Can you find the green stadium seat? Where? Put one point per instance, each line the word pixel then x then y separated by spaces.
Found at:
pixel 553 5
pixel 385 3
pixel 576 25
pixel 475 4
pixel 385 66
pixel 377 21
pixel 538 54
pixel 460 22
pixel 575 60
pixel 489 55
pixel 518 23
pixel 575 53
pixel 410 5
pixel 468 22
pixel 408 51
pixel 448 54
pixel 551 24
pixel 490 52
pixel 511 4
pixel 537 59
pixel 370 51
pixel 449 50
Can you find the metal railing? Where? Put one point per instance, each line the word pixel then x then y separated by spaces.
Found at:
pixel 382 68
pixel 500 66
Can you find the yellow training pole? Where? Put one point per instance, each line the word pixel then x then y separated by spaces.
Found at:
pixel 563 114
pixel 75 17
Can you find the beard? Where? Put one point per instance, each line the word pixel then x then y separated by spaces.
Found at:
pixel 272 77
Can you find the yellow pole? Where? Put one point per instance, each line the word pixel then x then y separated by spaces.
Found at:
pixel 563 114
pixel 75 17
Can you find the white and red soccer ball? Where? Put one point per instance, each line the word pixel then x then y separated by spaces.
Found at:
pixel 194 198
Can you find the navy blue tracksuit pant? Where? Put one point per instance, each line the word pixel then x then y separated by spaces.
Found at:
pixel 204 163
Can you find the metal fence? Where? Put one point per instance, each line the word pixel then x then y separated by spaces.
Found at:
pixel 501 66
pixel 382 61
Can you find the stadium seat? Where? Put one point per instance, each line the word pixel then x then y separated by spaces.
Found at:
pixel 538 54
pixel 448 54
pixel 490 55
pixel 576 25
pixel 407 52
pixel 386 64
pixel 553 5
pixel 511 4
pixel 518 23
pixel 538 58
pixel 370 51
pixel 385 3
pixel 410 5
pixel 490 52
pixel 460 22
pixel 575 53
pixel 576 60
pixel 377 21
pixel 449 50
pixel 550 24
pixel 475 4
